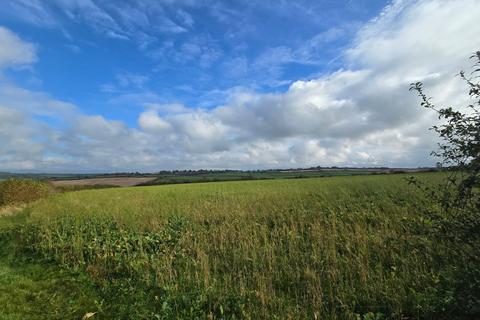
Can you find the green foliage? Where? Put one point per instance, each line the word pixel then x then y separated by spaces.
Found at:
pixel 122 260
pixel 16 191
pixel 459 152
pixel 373 316
pixel 33 290
pixel 459 194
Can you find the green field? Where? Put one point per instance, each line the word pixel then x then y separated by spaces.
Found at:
pixel 321 248
pixel 174 178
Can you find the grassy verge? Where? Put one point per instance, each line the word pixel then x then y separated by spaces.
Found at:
pixel 30 289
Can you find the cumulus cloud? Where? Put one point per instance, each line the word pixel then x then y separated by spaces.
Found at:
pixel 149 121
pixel 360 115
pixel 363 114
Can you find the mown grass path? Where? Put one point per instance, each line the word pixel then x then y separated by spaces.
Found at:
pixel 33 290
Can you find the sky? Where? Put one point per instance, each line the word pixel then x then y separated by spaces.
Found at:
pixel 149 85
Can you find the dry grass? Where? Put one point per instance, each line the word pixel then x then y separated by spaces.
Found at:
pixel 10 210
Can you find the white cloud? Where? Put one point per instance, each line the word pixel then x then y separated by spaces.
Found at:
pixel 150 122
pixel 14 51
pixel 167 108
pixel 17 133
pixel 88 12
pixel 425 38
pixel 360 115
pixel 34 103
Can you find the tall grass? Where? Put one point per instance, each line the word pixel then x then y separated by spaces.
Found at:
pixel 331 248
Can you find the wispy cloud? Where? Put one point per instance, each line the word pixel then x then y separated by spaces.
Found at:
pixel 134 21
pixel 200 48
pixel 31 11
pixel 125 83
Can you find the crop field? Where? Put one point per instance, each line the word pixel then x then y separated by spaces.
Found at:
pixel 121 182
pixel 319 248
pixel 256 175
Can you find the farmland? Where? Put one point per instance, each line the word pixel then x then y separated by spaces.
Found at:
pixel 71 182
pixel 121 182
pixel 334 248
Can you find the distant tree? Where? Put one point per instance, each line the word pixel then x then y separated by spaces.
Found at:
pixel 459 195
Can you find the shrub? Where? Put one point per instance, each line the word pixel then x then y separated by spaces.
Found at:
pixel 16 191
pixel 459 195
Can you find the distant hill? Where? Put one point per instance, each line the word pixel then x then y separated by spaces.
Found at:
pixel 210 172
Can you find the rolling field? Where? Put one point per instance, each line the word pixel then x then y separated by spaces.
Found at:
pixel 323 248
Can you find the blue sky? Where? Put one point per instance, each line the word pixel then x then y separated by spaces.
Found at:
pixel 187 52
pixel 150 85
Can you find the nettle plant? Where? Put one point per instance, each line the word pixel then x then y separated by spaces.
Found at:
pixel 459 151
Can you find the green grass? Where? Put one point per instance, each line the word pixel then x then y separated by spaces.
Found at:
pixel 33 290
pixel 329 248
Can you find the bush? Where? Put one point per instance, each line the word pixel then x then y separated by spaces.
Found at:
pixel 16 191
pixel 459 195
